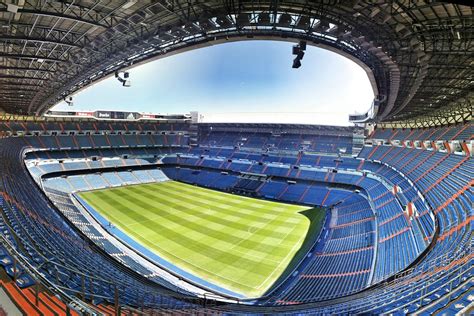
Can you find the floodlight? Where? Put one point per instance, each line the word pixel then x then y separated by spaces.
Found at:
pixel 69 101
pixel 124 81
pixel 296 49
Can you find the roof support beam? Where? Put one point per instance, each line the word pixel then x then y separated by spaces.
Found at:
pixel 30 57
pixel 13 68
pixel 20 77
pixel 16 84
pixel 37 40
pixel 58 15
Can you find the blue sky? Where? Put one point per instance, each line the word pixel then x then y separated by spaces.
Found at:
pixel 248 81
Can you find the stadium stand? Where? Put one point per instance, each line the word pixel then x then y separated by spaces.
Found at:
pixel 273 137
pixel 363 228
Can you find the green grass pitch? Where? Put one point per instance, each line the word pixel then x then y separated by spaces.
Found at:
pixel 239 243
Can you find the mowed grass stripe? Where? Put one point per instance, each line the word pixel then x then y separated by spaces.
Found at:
pixel 271 246
pixel 204 226
pixel 231 199
pixel 202 252
pixel 245 218
pixel 244 221
pixel 133 201
pixel 189 218
pixel 237 208
pixel 239 243
pixel 175 218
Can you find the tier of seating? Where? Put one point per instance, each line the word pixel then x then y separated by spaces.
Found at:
pixel 344 260
pixel 105 141
pixel 284 141
pixel 101 180
pixel 445 182
pixel 36 302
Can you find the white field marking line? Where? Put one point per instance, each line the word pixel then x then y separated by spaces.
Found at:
pixel 165 217
pixel 204 196
pixel 212 213
pixel 281 262
pixel 263 257
pixel 251 234
pixel 210 192
pixel 218 201
pixel 133 222
pixel 173 210
pixel 235 245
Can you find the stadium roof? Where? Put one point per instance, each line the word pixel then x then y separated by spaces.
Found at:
pixel 418 56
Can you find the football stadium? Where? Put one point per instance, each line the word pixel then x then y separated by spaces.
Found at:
pixel 125 212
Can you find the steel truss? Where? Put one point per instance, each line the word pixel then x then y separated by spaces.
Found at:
pixel 457 112
pixel 418 55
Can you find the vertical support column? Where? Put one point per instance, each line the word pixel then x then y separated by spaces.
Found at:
pixel 409 209
pixel 448 147
pixel 465 149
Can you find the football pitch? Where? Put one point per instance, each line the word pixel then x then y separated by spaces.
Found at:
pixel 241 244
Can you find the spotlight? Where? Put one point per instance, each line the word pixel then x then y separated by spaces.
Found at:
pixel 298 50
pixel 69 101
pixel 124 81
